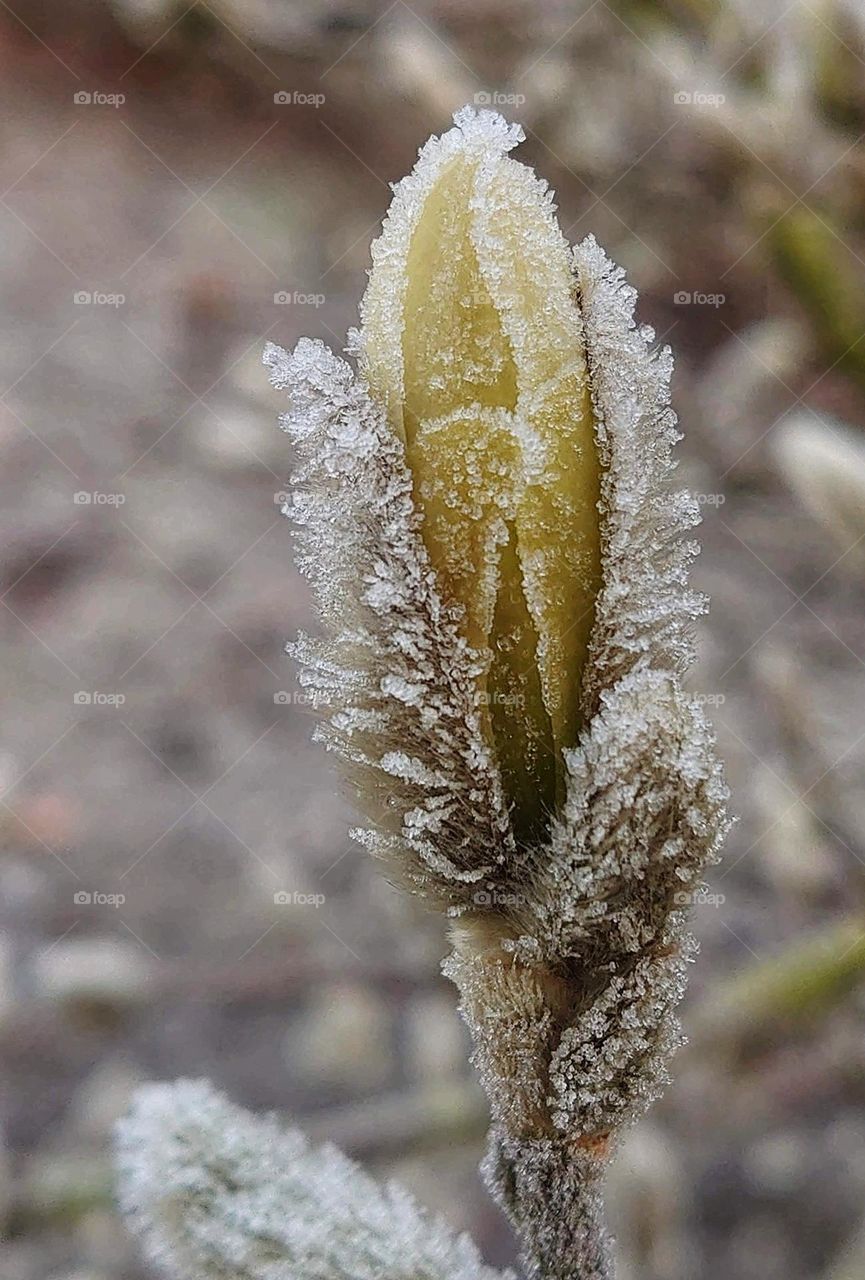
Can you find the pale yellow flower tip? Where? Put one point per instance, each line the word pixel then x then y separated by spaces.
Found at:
pixel 473 340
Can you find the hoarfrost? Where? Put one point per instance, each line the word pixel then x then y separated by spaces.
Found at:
pixel 393 673
pixel 214 1192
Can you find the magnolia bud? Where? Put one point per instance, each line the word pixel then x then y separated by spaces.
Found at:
pixel 473 339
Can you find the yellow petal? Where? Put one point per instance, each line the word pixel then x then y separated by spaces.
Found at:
pixel 473 339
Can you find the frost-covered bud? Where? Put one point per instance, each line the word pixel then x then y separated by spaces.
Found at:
pixel 486 513
pixel 473 339
pixel 214 1192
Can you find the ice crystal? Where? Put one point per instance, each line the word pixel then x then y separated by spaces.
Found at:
pixel 612 1060
pixel 215 1192
pixel 645 608
pixel 393 670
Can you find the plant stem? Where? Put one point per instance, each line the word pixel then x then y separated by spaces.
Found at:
pixel 551 1192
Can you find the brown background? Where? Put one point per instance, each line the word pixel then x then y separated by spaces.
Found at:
pixel 198 198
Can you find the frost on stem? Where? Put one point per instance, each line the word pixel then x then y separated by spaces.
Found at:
pixel 216 1193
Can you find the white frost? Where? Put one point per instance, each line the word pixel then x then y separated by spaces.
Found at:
pixel 215 1193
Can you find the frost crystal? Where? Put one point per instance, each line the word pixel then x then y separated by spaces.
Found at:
pixel 645 608
pixel 393 671
pixel 216 1193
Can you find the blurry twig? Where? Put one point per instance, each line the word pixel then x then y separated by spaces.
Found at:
pixel 59 1191
pixel 851 1264
pixel 739 386
pixel 813 257
pixel 805 981
pixel 445 1115
pixel 277 979
pixel 823 461
pixel 835 805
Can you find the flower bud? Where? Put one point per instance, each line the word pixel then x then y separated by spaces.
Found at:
pixel 473 340
pixel 500 564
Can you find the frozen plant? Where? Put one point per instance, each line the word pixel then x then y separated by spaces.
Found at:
pixel 484 509
pixel 215 1192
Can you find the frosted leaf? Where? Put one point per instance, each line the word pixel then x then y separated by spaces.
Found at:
pixel 393 675
pixel 611 1063
pixel 645 814
pixel 645 609
pixel 572 1004
pixel 216 1193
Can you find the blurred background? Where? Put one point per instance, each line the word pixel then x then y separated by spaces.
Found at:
pixel 180 182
